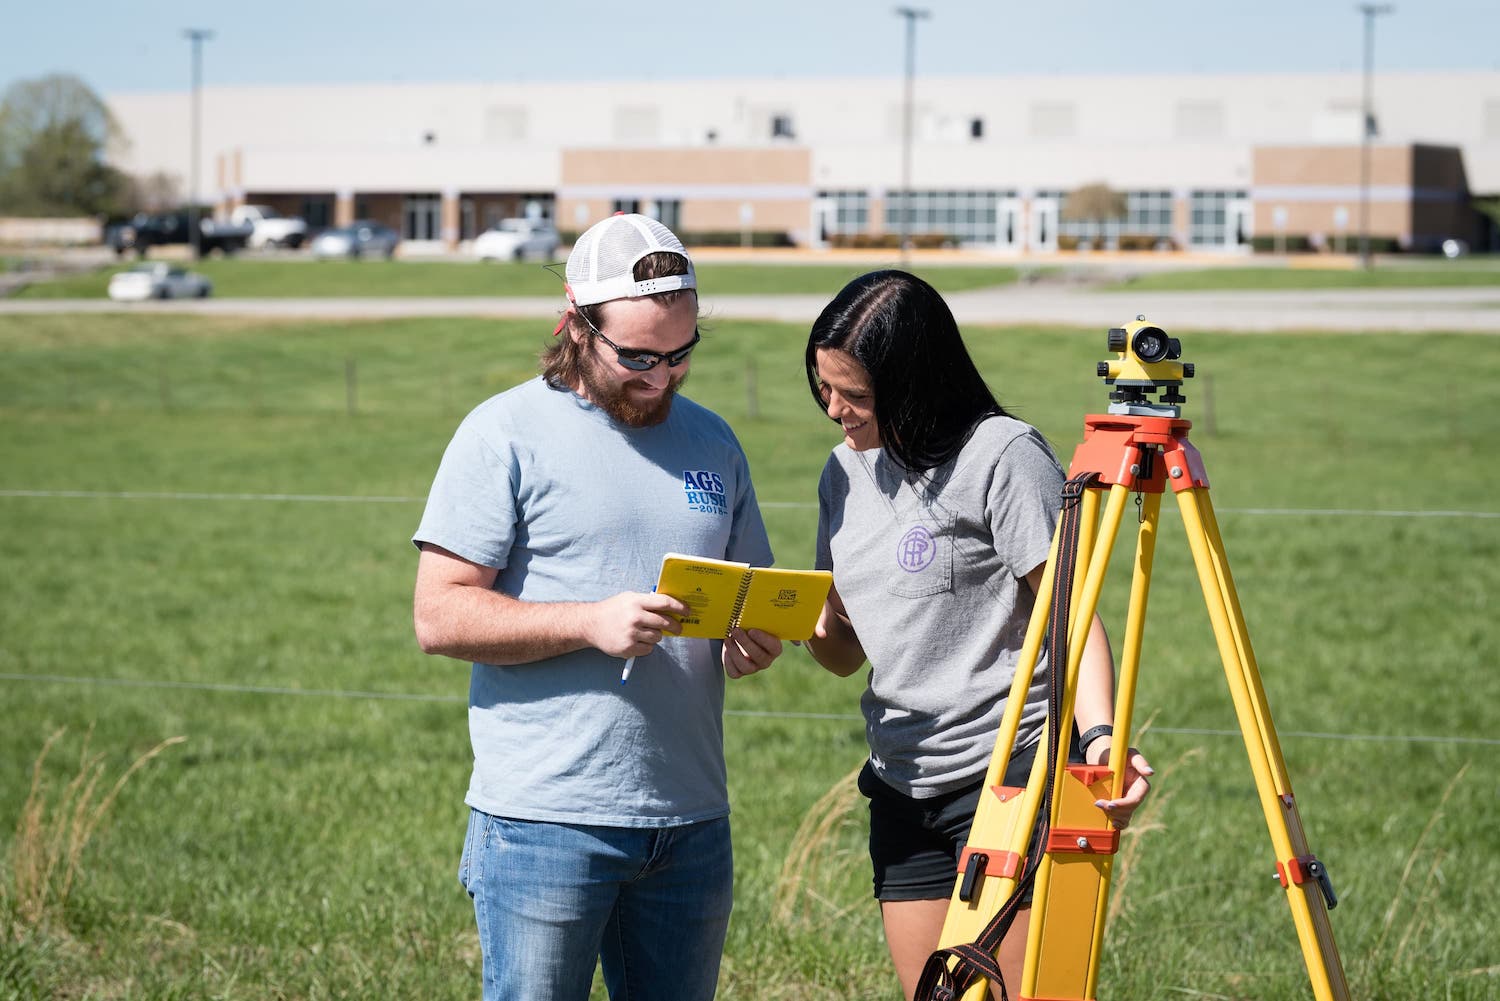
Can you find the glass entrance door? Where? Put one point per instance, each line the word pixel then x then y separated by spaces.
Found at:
pixel 422 217
pixel 1043 231
pixel 1238 224
pixel 1009 232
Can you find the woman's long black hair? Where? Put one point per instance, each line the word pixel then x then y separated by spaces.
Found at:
pixel 929 397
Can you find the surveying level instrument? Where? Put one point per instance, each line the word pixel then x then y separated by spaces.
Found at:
pixel 1139 446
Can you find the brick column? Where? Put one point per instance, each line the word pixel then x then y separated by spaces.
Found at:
pixel 343 207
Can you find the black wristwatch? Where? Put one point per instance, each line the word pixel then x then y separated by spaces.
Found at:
pixel 1092 734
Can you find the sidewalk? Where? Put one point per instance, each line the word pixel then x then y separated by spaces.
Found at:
pixel 1418 310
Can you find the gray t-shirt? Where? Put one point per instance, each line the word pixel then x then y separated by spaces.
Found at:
pixel 931 574
pixel 571 506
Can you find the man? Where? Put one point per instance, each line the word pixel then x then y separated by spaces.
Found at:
pixel 598 822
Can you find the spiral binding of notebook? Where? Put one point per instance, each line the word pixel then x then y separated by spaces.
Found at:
pixel 739 600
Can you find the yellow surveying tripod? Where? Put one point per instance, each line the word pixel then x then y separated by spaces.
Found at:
pixel 1139 446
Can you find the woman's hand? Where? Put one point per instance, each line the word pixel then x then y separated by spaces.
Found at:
pixel 1137 784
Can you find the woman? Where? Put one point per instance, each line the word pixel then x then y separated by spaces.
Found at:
pixel 936 514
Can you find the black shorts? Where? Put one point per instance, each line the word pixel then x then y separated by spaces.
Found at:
pixel 915 843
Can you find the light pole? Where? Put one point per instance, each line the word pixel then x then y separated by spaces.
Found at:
pixel 1367 126
pixel 197 36
pixel 912 15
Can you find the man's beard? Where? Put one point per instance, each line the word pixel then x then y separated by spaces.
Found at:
pixel 614 399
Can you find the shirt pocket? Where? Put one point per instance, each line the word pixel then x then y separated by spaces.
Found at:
pixel 922 562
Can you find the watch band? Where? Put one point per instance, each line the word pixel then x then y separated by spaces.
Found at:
pixel 1093 733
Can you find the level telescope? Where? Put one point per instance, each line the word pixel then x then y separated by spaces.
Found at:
pixel 1147 362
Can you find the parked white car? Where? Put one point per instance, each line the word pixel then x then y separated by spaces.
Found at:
pixel 158 280
pixel 517 239
pixel 269 228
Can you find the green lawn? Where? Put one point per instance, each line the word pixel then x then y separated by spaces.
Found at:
pixel 251 278
pixel 207 524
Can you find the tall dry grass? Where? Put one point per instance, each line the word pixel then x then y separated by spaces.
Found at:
pixel 1419 911
pixel 817 859
pixel 46 856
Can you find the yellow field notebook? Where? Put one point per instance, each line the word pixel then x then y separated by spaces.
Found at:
pixel 723 594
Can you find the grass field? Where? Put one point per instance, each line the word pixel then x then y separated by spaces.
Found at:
pixel 207 524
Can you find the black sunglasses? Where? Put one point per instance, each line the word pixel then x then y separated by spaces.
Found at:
pixel 638 360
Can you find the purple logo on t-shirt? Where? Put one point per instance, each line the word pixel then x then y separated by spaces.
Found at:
pixel 916 550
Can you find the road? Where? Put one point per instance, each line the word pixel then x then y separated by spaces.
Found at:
pixel 1417 310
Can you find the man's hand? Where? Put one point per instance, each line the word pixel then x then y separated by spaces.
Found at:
pixel 631 623
pixel 748 652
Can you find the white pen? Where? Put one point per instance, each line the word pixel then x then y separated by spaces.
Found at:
pixel 625 674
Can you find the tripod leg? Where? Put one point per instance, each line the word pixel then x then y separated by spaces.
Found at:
pixel 1135 627
pixel 1067 915
pixel 1309 893
pixel 990 865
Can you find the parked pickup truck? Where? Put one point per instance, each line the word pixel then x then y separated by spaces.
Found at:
pixel 268 228
pixel 145 231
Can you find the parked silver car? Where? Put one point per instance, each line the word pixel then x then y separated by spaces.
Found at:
pixel 158 280
pixel 517 239
pixel 358 239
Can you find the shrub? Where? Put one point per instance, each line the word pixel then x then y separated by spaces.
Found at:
pixel 735 238
pixel 1291 243
pixel 888 241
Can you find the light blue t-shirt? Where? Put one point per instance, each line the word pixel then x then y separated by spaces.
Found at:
pixel 570 505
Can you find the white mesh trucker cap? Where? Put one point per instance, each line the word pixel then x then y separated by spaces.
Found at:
pixel 602 264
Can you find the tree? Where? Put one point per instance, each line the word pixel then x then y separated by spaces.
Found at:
pixel 1094 203
pixel 155 192
pixel 55 135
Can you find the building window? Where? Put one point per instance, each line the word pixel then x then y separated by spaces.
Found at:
pixel 422 218
pixel 1147 213
pixel 317 210
pixel 626 205
pixel 667 211
pixel 504 124
pixel 1052 120
pixel 1199 120
pixel 1492 119
pixel 781 127
pixel 1209 218
pixel 962 216
pixel 637 125
pixel 851 212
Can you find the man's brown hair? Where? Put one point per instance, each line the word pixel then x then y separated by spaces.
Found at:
pixel 562 360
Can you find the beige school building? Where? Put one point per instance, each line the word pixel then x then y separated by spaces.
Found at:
pixel 1212 163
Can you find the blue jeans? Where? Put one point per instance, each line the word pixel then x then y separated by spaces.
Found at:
pixel 651 905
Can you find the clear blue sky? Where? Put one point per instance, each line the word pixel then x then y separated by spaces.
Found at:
pixel 138 46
